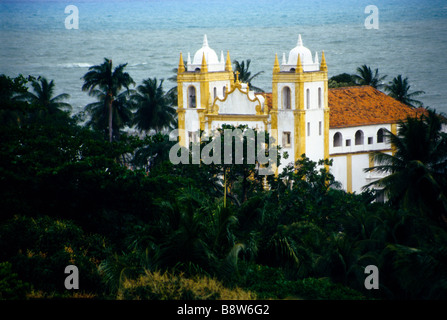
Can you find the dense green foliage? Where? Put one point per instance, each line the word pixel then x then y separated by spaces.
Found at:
pixel 126 217
pixel 244 75
pixel 399 89
pixel 365 76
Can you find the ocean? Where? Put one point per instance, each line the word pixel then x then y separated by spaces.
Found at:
pixel 411 38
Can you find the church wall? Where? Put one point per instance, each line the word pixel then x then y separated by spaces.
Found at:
pixel 286 124
pixel 349 162
pixel 191 122
pixel 313 94
pixel 348 169
pixel 237 103
pixel 219 88
pixel 338 169
pixel 349 134
pixel 314 121
pixel 359 163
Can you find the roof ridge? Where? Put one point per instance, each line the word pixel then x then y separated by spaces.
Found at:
pixel 354 86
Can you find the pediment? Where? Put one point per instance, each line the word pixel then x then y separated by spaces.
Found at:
pixel 239 100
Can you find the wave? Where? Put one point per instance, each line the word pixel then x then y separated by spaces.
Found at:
pixel 137 64
pixel 88 65
pixel 75 65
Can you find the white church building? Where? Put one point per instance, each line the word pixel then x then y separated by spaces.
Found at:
pixel 301 113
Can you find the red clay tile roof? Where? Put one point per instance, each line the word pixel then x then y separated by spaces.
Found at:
pixel 361 105
pixel 364 105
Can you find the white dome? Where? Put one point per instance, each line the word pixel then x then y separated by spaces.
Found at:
pixel 210 54
pixel 306 55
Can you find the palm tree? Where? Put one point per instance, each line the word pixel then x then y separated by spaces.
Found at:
pixel 183 226
pixel 367 77
pixel 245 75
pixel 418 169
pixel 43 96
pixel 342 80
pixel 12 106
pixel 172 93
pixel 399 89
pixel 154 107
pixel 99 112
pixel 110 82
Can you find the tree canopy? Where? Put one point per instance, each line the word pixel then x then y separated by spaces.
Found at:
pixel 140 227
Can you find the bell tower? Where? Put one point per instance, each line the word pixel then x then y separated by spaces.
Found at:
pixel 199 83
pixel 300 112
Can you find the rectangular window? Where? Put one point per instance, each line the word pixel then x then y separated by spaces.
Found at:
pixel 308 98
pixel 370 140
pixel 193 137
pixel 348 142
pixel 308 129
pixel 319 98
pixel 286 139
pixel 319 128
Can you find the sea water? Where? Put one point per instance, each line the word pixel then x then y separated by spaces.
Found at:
pixel 411 38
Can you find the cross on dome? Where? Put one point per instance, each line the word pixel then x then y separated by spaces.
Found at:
pixel 300 41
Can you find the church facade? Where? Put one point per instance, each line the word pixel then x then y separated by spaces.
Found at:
pixel 302 114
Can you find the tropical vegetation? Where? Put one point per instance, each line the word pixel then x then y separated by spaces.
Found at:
pixel 109 82
pixel 154 107
pixel 244 75
pixel 365 76
pixel 140 227
pixel 398 88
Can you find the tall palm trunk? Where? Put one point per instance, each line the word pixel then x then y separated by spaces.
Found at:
pixel 110 82
pixel 110 117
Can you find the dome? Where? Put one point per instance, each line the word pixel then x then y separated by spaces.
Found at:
pixel 210 54
pixel 306 55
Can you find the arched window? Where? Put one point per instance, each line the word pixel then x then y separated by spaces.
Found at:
pixel 380 133
pixel 224 90
pixel 308 98
pixel 320 98
pixel 215 92
pixel 359 137
pixel 191 97
pixel 338 139
pixel 286 103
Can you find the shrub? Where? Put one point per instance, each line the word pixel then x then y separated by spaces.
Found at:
pixel 270 283
pixel 11 288
pixel 39 249
pixel 166 286
pixel 324 289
